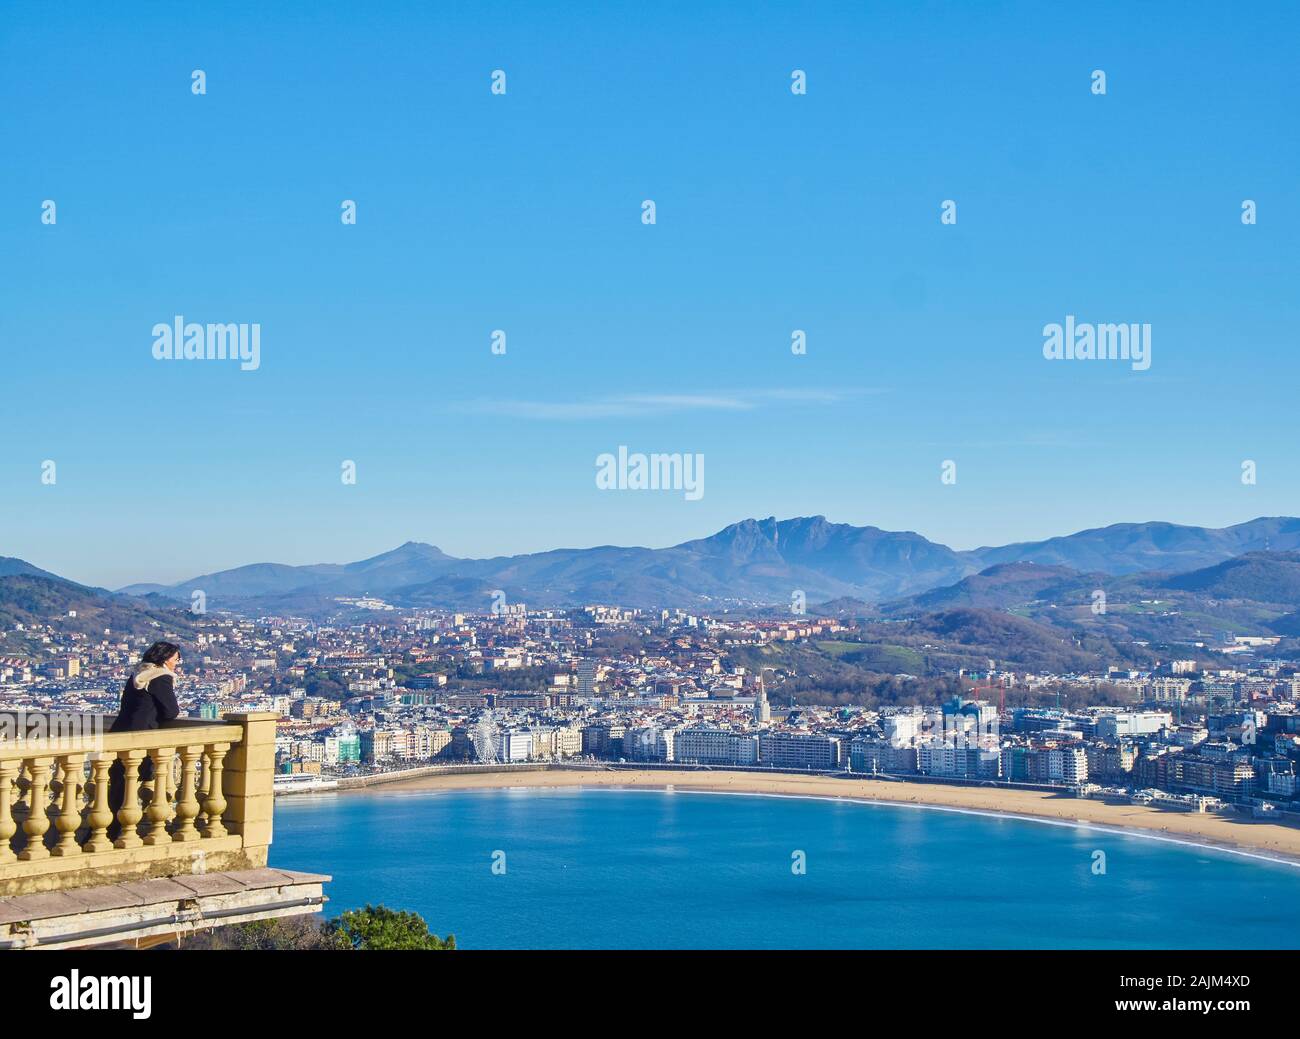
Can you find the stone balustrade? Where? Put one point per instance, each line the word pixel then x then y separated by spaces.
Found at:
pixel 206 808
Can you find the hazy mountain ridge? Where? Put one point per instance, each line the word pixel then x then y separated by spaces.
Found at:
pixel 1257 593
pixel 998 587
pixel 31 599
pixel 754 561
pixel 11 567
pixel 1131 547
pixel 1020 613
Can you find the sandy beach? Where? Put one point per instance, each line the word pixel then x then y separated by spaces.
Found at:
pixel 1272 839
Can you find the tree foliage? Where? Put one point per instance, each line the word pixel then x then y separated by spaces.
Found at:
pixel 378 927
pixel 374 927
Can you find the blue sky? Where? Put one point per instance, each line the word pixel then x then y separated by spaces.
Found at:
pixel 522 212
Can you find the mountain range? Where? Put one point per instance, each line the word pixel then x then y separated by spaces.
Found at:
pixel 1128 593
pixel 753 562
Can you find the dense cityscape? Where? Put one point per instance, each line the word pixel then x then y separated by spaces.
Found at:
pixel 405 689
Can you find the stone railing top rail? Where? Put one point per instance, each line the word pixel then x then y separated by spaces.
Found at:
pixel 84 737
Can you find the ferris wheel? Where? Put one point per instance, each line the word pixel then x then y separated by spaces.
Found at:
pixel 486 737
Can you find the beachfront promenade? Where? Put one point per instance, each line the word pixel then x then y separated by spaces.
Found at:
pixel 520 767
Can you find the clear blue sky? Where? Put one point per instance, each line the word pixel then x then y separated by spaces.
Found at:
pixel 522 212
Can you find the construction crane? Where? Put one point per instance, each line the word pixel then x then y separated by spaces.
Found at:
pixel 988 687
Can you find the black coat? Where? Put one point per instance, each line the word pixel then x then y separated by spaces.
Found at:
pixel 145 708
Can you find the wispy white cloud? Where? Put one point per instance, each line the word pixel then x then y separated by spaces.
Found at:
pixel 650 404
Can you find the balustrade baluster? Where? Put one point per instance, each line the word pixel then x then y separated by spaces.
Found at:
pixel 23 786
pixel 129 814
pixel 8 825
pixel 215 803
pixel 99 816
pixel 187 804
pixel 204 778
pixel 172 788
pixel 72 773
pixel 38 821
pixel 160 806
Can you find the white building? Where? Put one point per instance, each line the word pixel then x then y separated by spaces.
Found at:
pixel 1111 725
pixel 941 759
pixel 516 746
pixel 902 730
pixel 648 743
pixel 1169 690
pixel 1067 765
pixel 710 746
pixel 799 750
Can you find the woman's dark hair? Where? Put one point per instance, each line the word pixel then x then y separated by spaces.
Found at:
pixel 159 653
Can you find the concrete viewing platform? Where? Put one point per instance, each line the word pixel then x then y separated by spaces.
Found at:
pixel 148 911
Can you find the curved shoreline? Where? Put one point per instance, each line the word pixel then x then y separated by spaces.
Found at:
pixel 1273 842
pixel 1117 831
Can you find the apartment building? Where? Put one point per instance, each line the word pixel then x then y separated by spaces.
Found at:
pixel 799 750
pixel 715 746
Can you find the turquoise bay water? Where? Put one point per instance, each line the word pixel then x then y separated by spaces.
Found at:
pixel 609 868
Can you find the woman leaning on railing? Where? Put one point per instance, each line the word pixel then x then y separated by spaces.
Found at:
pixel 148 699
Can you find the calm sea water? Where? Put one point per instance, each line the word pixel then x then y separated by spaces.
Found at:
pixel 608 868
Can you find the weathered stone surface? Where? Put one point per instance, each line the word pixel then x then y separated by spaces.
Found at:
pixel 210 883
pixel 38 907
pixel 112 896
